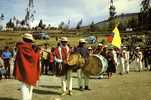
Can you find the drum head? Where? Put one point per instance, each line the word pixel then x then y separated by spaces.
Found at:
pixel 93 66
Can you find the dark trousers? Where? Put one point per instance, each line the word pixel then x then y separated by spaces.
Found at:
pixel 7 66
pixel 61 69
pixel 3 73
pixel 45 66
pixel 52 67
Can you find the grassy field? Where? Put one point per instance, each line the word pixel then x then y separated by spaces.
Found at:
pixel 10 39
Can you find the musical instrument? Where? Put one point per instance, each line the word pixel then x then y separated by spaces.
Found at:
pixel 96 65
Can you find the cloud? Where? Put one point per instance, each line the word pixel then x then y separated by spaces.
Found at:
pixel 54 11
pixel 127 6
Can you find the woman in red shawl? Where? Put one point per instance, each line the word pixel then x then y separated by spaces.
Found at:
pixel 27 68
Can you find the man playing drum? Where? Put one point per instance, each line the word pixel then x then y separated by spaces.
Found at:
pixel 61 54
pixel 82 77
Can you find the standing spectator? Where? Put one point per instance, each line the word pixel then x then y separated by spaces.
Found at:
pixel 139 59
pixel 126 59
pixel 27 69
pixel 6 56
pixel 99 49
pixel 51 58
pixel 121 57
pixel 2 70
pixel 111 63
pixel 147 58
pixel 115 57
pixel 45 60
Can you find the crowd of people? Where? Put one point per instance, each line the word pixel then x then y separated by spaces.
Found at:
pixel 26 62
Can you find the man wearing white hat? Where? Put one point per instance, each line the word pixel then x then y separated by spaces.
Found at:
pixel 121 58
pixel 126 60
pixel 99 49
pixel 62 53
pixel 115 57
pixel 83 79
pixel 139 58
pixel 27 69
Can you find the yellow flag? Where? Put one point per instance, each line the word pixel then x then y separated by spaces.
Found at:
pixel 116 39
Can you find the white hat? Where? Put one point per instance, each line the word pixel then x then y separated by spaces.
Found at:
pixel 105 46
pixel 100 44
pixel 82 41
pixel 124 47
pixel 137 47
pixel 90 48
pixel 64 39
pixel 28 36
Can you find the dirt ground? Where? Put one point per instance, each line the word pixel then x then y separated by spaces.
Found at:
pixel 132 86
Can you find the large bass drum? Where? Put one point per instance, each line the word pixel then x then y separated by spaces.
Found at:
pixel 96 65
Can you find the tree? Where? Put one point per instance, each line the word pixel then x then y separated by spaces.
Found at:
pixel 145 5
pixel 10 24
pixel 22 23
pixel 2 17
pixel 145 15
pixel 41 25
pixel 79 24
pixel 61 25
pixel 92 27
pixel 132 23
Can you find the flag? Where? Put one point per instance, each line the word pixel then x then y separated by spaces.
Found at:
pixel 116 39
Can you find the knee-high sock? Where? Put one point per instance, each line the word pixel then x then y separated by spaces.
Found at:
pixel 63 83
pixel 69 80
pixel 25 91
pixel 30 92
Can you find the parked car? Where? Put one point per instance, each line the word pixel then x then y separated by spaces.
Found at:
pixel 40 35
pixel 91 39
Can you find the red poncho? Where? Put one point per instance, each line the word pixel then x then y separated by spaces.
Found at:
pixel 27 67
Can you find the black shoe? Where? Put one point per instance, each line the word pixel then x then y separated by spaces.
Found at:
pixel 87 88
pixel 70 93
pixel 126 72
pixel 81 89
pixel 121 73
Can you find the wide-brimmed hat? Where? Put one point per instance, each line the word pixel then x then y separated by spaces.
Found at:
pixel 64 39
pixel 100 44
pixel 89 48
pixel 105 46
pixel 137 48
pixel 124 47
pixel 82 41
pixel 28 36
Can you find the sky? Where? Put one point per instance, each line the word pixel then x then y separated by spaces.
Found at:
pixel 54 11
